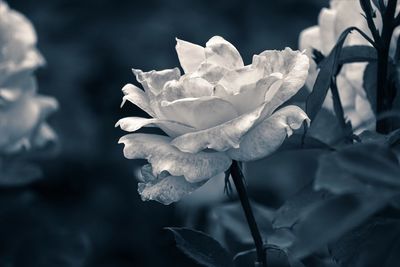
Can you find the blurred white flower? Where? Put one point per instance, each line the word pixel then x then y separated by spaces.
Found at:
pixel 217 111
pixel 22 110
pixel 332 22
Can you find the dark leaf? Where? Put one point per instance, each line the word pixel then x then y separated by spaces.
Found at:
pixel 375 243
pixel 228 225
pixel 334 179
pixel 357 53
pixel 281 237
pixel 201 247
pixel 330 219
pixel 326 127
pixel 291 212
pixel 279 176
pixel 394 138
pixel 372 137
pixel 390 139
pixel 328 68
pixel 350 54
pixel 356 169
pixel 370 83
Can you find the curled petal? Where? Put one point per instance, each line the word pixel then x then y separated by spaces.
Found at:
pixel 137 97
pixel 221 137
pixel 190 55
pixel 132 124
pixel 164 157
pixel 153 81
pixel 267 136
pixel 241 79
pixel 222 53
pixel 201 113
pixel 252 95
pixel 165 190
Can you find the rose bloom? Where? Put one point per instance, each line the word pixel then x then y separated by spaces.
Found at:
pixel 332 22
pixel 22 110
pixel 219 110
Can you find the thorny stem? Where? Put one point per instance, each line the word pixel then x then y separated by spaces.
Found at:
pixel 237 177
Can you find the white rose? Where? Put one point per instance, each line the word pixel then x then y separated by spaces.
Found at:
pixel 22 110
pixel 218 111
pixel 331 23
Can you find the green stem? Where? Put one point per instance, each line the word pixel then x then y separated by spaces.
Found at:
pixel 237 177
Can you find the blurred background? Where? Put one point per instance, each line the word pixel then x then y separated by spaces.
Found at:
pixel 86 207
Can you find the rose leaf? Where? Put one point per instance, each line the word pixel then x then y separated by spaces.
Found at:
pixel 201 247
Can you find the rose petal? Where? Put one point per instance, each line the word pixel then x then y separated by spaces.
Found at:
pixel 326 21
pixel 210 72
pixel 7 95
pixel 237 80
pixel 47 104
pixel 44 136
pixel 137 97
pixel 221 137
pixel 222 53
pixel 17 85
pixel 190 55
pixel 17 121
pixel 251 95
pixel 18 42
pixel 227 135
pixel 165 190
pixel 310 39
pixel 200 113
pixel 293 65
pixel 153 81
pixel 132 124
pixel 164 157
pixel 187 87
pixel 17 25
pixel 348 14
pixel 267 136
